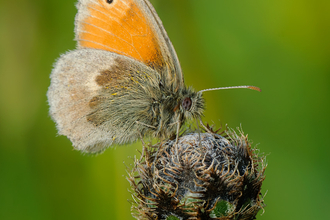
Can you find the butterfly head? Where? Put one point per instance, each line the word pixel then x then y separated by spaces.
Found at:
pixel 191 104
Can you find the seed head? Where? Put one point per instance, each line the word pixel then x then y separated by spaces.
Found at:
pixel 203 176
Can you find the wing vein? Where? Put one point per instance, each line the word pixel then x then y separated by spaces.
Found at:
pixel 107 32
pixel 110 48
pixel 111 17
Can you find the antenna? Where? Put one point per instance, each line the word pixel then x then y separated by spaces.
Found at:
pixel 232 87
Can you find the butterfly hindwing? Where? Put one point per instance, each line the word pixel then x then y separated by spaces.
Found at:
pixel 97 96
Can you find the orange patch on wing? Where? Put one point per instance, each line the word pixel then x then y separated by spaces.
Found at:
pixel 120 27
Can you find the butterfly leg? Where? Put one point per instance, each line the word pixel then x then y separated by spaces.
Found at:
pixel 199 134
pixel 149 126
pixel 143 144
pixel 143 147
pixel 177 130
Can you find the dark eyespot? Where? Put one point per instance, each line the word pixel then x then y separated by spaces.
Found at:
pixel 109 1
pixel 186 104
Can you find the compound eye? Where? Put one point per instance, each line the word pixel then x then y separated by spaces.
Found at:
pixel 186 104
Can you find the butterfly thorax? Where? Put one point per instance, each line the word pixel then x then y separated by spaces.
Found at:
pixel 173 107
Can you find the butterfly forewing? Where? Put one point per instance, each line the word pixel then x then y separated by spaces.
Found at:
pixel 130 28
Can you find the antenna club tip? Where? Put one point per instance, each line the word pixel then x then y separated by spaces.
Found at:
pixel 255 88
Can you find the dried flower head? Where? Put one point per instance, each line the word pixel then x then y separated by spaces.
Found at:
pixel 203 176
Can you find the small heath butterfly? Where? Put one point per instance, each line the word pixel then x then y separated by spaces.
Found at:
pixel 124 80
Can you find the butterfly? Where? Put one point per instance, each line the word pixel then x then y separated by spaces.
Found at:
pixel 124 80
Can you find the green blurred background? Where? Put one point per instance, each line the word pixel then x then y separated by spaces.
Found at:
pixel 279 45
